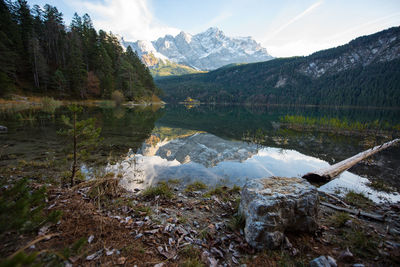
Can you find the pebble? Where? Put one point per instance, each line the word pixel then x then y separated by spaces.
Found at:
pixel 394 231
pixel 138 236
pixel 321 261
pixel 348 223
pixel 393 244
pixel 95 255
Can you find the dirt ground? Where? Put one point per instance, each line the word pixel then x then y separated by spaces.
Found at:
pixel 192 228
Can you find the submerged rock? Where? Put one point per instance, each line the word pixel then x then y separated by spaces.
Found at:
pixel 3 129
pixel 273 206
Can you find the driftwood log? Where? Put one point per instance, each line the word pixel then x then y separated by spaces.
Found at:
pixel 376 217
pixel 327 174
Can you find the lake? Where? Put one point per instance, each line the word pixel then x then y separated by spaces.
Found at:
pixel 145 145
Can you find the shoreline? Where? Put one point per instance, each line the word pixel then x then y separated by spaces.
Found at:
pixel 177 226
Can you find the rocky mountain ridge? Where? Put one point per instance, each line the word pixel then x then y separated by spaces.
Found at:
pixel 357 53
pixel 208 50
pixel 364 72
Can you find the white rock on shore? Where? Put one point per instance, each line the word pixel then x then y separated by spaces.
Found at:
pixel 273 206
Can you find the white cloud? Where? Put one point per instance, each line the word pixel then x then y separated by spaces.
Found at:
pixel 366 28
pixel 297 47
pixel 224 15
pixel 130 18
pixel 294 19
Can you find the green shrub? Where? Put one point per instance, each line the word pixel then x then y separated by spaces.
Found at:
pixel 20 259
pixel 49 104
pixel 117 97
pixel 21 209
pixel 237 222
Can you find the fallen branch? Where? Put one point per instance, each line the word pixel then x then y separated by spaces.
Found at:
pixel 327 174
pixel 355 212
pixel 32 243
pixel 334 198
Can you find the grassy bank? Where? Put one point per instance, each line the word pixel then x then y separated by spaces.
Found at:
pixel 343 126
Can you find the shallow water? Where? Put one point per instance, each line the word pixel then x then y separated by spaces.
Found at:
pixel 204 143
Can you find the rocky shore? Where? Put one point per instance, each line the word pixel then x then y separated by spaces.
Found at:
pixel 175 225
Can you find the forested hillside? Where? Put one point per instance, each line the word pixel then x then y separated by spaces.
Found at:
pixel 365 72
pixel 39 54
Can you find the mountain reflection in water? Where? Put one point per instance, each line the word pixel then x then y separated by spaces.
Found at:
pixel 214 161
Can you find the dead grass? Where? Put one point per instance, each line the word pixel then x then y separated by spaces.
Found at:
pixel 380 186
pixel 81 219
pixel 162 190
pixel 339 219
pixel 196 186
pixel 223 191
pixel 358 200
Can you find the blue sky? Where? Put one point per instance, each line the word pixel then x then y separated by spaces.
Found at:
pixel 285 27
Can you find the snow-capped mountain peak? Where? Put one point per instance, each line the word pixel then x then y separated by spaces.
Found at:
pixel 208 50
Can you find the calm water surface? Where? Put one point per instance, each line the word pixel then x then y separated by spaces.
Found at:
pixel 204 143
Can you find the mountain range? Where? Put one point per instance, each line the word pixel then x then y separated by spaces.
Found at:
pixel 364 72
pixel 205 51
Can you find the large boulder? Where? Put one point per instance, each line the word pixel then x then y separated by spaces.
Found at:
pixel 275 205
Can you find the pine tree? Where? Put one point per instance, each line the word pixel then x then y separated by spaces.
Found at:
pixel 84 134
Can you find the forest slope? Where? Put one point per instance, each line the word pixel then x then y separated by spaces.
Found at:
pixel 364 72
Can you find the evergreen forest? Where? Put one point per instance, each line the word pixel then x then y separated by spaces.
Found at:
pixel 40 55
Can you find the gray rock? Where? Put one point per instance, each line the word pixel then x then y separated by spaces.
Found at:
pixel 208 259
pixel 358 265
pixel 332 261
pixel 346 256
pixel 3 129
pixel 274 205
pixel 321 261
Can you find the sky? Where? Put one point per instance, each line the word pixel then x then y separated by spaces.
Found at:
pixel 285 27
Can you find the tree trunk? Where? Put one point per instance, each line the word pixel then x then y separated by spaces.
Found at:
pixel 327 174
pixel 74 164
